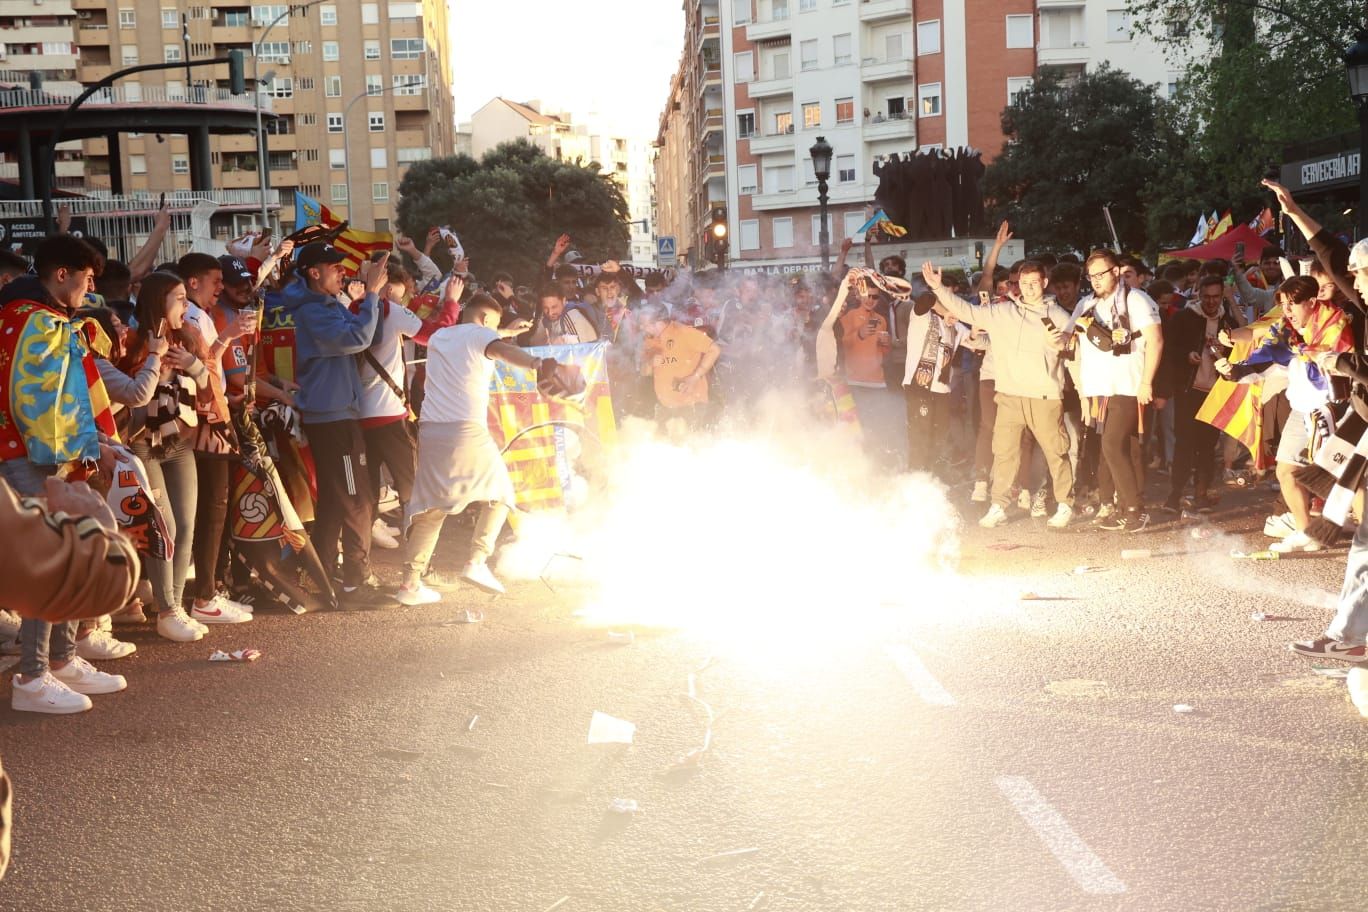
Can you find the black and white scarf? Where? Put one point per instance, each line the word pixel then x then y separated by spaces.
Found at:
pixel 1339 468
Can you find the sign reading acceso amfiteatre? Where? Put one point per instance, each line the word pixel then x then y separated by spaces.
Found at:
pixel 23 235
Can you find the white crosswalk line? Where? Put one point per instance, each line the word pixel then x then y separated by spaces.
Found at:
pixel 1083 865
pixel 922 681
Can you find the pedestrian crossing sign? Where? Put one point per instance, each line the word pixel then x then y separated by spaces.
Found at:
pixel 665 251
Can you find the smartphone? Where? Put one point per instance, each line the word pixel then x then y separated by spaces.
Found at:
pixel 872 324
pixel 162 203
pixel 1049 324
pixel 161 328
pixel 1239 251
pixel 983 297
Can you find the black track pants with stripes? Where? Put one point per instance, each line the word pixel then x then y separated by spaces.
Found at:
pixel 345 500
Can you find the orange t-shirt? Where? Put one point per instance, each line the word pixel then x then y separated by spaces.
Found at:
pixel 675 354
pixel 863 357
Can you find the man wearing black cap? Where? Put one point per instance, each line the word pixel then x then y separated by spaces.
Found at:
pixel 328 337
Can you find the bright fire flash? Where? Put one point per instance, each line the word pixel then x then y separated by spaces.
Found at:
pixel 782 531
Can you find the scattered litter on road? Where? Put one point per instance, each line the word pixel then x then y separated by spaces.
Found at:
pixel 729 856
pixel 694 757
pixel 1037 597
pixel 557 904
pixel 237 655
pixel 1265 616
pixel 1136 553
pixel 470 725
pixel 498 786
pixel 605 729
pixel 1254 555
pixel 625 806
pixel 1202 533
pixel 621 638
pixel 1330 671
pixel 399 753
pixel 465 616
pixel 758 902
pixel 1183 708
pixel 1083 569
pixel 1004 546
pixel 1358 689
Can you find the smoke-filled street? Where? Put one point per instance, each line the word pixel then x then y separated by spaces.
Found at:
pixel 962 748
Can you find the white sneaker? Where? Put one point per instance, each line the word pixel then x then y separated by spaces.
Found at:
pixel 388 500
pixel 417 594
pixel 84 678
pixel 1297 541
pixel 101 646
pixel 47 695
pixel 480 576
pixel 980 494
pixel 995 517
pixel 1106 511
pixel 1280 526
pixel 177 627
pixel 220 610
pixel 1063 515
pixel 381 537
pixel 1038 505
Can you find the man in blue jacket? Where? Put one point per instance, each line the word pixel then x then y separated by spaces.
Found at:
pixel 328 337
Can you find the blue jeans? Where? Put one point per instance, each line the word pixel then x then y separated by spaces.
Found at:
pixel 39 641
pixel 175 487
pixel 1350 625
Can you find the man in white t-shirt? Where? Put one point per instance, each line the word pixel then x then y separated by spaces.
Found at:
pixel 1119 356
pixel 458 461
pixel 933 337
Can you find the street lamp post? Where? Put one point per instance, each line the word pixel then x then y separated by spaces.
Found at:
pixel 821 167
pixel 256 89
pixel 1356 59
pixel 346 137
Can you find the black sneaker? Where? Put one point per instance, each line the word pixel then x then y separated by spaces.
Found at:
pixel 1172 506
pixel 366 595
pixel 1125 521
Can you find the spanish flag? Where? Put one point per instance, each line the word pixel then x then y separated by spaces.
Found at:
pixel 1237 408
pixel 358 245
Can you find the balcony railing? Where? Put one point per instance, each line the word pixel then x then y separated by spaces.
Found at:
pixel 102 202
pixel 129 95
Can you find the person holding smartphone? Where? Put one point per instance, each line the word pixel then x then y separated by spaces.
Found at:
pixel 865 342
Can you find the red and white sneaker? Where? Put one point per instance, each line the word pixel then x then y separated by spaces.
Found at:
pixel 47 695
pixel 1327 648
pixel 220 610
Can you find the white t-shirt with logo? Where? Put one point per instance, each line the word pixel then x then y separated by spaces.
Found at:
pixel 1102 373
pixel 458 374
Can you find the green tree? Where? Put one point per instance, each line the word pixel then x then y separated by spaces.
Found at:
pixel 510 206
pixel 1077 145
pixel 1272 77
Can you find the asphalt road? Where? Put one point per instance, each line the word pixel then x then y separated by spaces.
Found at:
pixel 959 749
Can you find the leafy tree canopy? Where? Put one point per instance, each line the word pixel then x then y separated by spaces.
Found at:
pixel 510 206
pixel 1077 145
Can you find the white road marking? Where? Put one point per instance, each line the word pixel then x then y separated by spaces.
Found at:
pixel 926 686
pixel 1083 865
pixel 7 663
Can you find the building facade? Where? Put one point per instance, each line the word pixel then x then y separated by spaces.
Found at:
pixel 874 77
pixel 359 90
pixel 41 39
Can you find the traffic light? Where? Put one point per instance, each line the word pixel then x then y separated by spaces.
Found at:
pixel 237 82
pixel 717 237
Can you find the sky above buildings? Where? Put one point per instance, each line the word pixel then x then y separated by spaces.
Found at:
pixel 608 62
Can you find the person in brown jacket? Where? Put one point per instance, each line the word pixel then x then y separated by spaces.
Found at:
pixel 64 560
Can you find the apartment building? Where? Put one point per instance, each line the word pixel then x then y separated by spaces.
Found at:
pixel 874 77
pixel 360 90
pixel 1081 35
pixel 40 38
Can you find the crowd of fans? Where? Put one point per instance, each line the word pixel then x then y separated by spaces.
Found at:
pixel 1056 387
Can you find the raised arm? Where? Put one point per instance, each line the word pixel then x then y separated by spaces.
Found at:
pixel 1004 234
